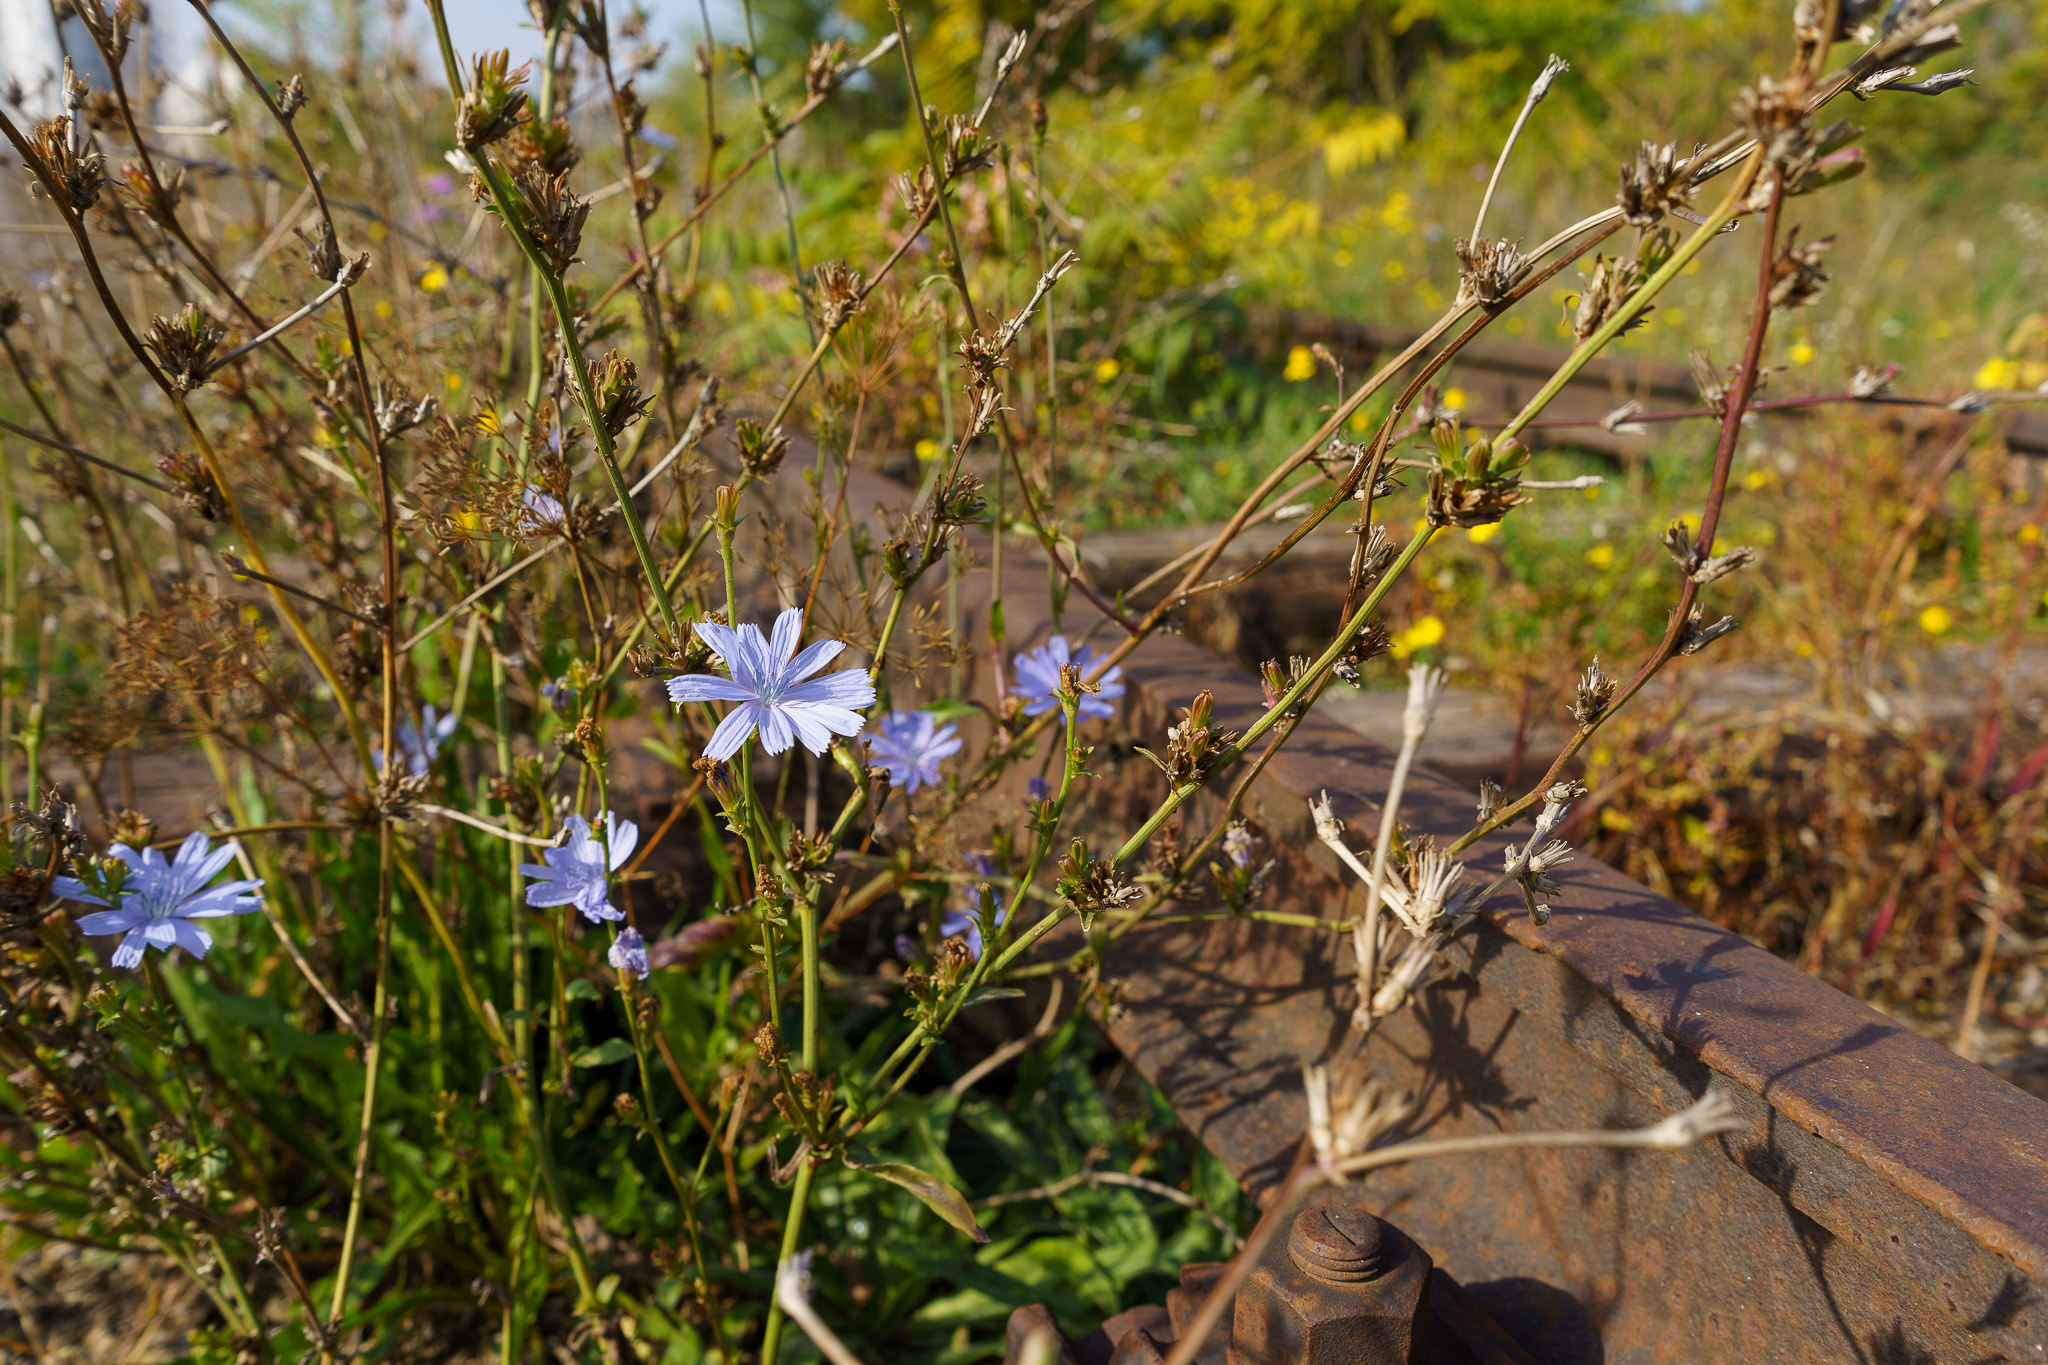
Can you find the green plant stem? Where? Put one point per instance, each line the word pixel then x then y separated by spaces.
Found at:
pixel 792 1239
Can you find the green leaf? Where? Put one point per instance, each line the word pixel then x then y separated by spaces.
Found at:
pixel 988 993
pixel 583 988
pixel 604 1054
pixel 935 1193
pixel 951 708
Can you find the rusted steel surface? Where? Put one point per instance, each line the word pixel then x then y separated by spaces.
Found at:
pixel 1888 1201
pixel 1502 375
pixel 1341 1287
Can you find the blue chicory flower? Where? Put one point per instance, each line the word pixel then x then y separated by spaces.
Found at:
pixel 1037 678
pixel 575 872
pixel 421 744
pixel 775 689
pixel 543 512
pixel 629 952
pixel 909 745
pixel 161 898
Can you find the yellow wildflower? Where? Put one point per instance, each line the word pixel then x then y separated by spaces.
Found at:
pixel 1996 373
pixel 2029 533
pixel 1601 556
pixel 435 280
pixel 1454 398
pixel 1424 634
pixel 1301 365
pixel 1937 620
pixel 1107 369
pixel 383 310
pixel 1479 535
pixel 927 449
pixel 1756 478
pixel 1802 353
pixel 452 382
pixel 1221 469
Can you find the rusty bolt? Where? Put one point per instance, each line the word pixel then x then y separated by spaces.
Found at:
pixel 1337 1244
pixel 1342 1289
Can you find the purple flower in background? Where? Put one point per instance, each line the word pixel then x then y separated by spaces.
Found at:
pixel 967 923
pixel 543 512
pixel 629 952
pixel 654 137
pixel 440 184
pixel 1037 677
pixel 775 689
pixel 160 899
pixel 421 744
pixel 909 745
pixel 575 872
pixel 1038 790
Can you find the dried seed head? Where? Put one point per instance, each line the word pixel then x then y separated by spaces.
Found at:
pixel 619 400
pixel 1595 691
pixel 958 501
pixel 1091 885
pixel 196 488
pixel 1489 271
pixel 76 174
pixel 1607 289
pixel 1797 278
pixel 839 294
pixel 494 104
pixel 761 450
pixel 183 346
pixel 109 27
pixel 826 69
pixel 291 96
pixel 1869 383
pixel 1657 183
pixel 552 214
pixel 1774 113
pixel 399 411
pixel 917 191
pixel 1698 636
pixel 323 253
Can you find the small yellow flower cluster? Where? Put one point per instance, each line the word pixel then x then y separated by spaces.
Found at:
pixel 1424 634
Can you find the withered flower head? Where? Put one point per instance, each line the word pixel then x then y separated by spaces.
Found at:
pixel 1595 691
pixel 551 145
pixel 1489 271
pixel 1474 486
pixel 1700 568
pixel 183 346
pixel 196 488
pixel 1607 289
pixel 839 294
pixel 1698 636
pixel 761 450
pixel 76 173
pixel 1092 885
pixel 1656 184
pixel 1192 745
pixel 323 254
pixel 967 147
pixel 1797 278
pixel 10 309
pixel 157 200
pixel 133 828
pixel 291 96
pixel 553 215
pixel 631 109
pixel 826 69
pixel 958 501
pixel 399 411
pixel 494 104
pixel 619 400
pixel 916 190
pixel 1372 640
pixel 1774 113
pixel 109 27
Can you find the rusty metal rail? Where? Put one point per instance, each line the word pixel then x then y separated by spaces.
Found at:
pixel 1888 1201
